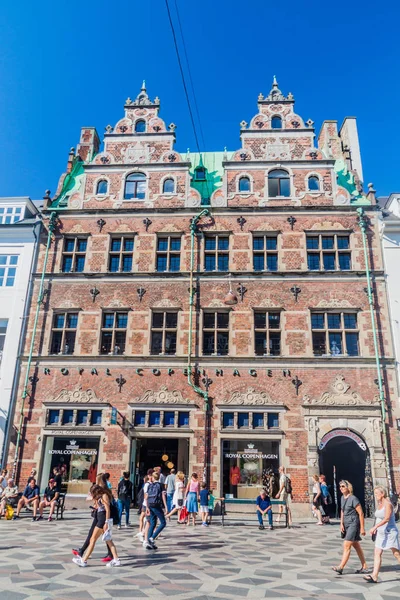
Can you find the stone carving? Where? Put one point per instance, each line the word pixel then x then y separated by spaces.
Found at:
pixel 340 396
pixel 193 198
pixel 137 153
pixel 334 303
pixel 281 150
pixel 163 396
pixel 251 397
pixel 77 395
pixel 218 198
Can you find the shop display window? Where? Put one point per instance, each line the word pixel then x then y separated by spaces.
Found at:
pixel 248 466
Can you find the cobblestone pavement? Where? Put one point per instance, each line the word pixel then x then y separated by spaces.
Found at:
pixel 194 563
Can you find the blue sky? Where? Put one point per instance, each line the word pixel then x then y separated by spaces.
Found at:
pixel 64 65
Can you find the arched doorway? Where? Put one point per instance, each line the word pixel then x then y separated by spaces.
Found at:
pixel 343 454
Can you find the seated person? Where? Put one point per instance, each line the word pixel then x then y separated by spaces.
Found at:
pixel 50 498
pixel 30 496
pixel 8 496
pixel 264 507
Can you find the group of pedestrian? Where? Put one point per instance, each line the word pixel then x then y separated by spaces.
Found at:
pixel 384 533
pixel 322 499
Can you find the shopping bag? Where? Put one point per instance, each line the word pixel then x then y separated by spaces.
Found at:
pixel 183 516
pixel 9 512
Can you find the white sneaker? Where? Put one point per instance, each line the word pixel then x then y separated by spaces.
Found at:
pixel 140 536
pixel 78 560
pixel 119 526
pixel 115 562
pixel 147 546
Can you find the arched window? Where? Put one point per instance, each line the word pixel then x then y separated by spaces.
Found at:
pixel 140 126
pixel 278 183
pixel 244 184
pixel 102 187
pixel 313 183
pixel 169 186
pixel 276 122
pixel 135 186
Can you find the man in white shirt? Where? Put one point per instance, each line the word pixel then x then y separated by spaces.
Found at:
pixel 283 495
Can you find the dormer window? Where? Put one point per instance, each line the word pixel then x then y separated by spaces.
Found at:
pixel 10 214
pixel 169 186
pixel 278 183
pixel 244 184
pixel 313 183
pixel 140 126
pixel 276 122
pixel 200 174
pixel 102 187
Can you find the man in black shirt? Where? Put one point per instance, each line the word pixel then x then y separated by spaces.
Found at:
pixel 57 478
pixel 124 497
pixel 50 498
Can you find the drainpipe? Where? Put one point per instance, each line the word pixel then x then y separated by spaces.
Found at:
pixel 204 394
pixel 50 229
pixel 363 226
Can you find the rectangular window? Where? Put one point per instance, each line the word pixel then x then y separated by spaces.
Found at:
pixel 74 254
pixel 82 417
pixel 68 417
pixel 154 418
pixel 335 334
pixel 258 420
pixel 168 254
pixel 121 254
pixel 164 332
pixel 267 333
pixel 140 418
pixel 216 253
pixel 183 419
pixel 216 333
pixel 273 420
pixel 54 417
pixel 113 332
pixel 96 417
pixel 8 269
pixel 243 420
pixel 228 420
pixel 10 214
pixel 265 253
pixel 63 333
pixel 328 252
pixel 3 331
pixel 169 418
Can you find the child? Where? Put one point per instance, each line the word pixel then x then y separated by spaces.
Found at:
pixel 204 504
pixel 211 503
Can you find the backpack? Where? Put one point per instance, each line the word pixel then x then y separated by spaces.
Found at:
pixel 140 498
pixel 114 512
pixel 288 485
pixel 154 495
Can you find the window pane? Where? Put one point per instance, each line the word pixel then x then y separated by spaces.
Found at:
pixel 335 343
pixel 69 245
pixel 72 320
pixel 116 245
pixel 313 261
pixel 56 342
pixel 120 339
pixel 258 262
pixel 343 242
pixel 140 126
pixel 352 344
pixel 273 420
pixel 59 321
pixel 327 242
pixel 171 319
pixel 102 187
pixel 222 344
pixel 161 263
pixel 271 243
pixel 209 262
pixel 106 342
pixel 350 321
pixel 260 343
pixel 244 184
pixel 158 318
pixel 54 417
pixel 223 262
pixel 154 418
pixel 209 320
pixel 329 261
pixel 169 418
pixel 275 344
pixel 333 321
pixel 175 244
pixel 129 190
pixel 272 262
pixel 126 264
pixel 183 419
pixel 258 243
pixel 313 183
pixel 122 320
pixel 13 260
pixel 162 244
pixel 285 187
pixel 274 320
pixel 260 320
pixel 170 342
pixel 168 187
pixel 82 418
pixel 223 243
pixel 108 320
pixel 208 342
pixel 3 259
pixel 312 243
pixel 227 419
pixel 66 264
pixel 140 417
pixel 319 343
pixel 128 244
pixel 140 190
pixel 68 417
pixel 69 342
pixel 273 188
pixel 96 417
pixel 11 278
pixel 258 420
pixel 114 264
pixel 80 263
pixel 243 419
pixel 344 261
pixel 81 245
pixel 276 123
pixel 210 243
pixel 317 321
pixel 223 320
pixel 174 263
pixel 156 342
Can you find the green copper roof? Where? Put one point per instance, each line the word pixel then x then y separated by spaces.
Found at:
pixel 212 162
pixel 71 184
pixel 346 180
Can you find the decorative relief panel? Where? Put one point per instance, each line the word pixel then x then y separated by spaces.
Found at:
pixel 77 395
pixel 251 397
pixel 340 396
pixel 162 396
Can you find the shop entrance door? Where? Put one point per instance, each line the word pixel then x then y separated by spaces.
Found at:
pixel 167 453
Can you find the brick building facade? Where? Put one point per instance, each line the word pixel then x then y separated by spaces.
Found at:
pixel 282 332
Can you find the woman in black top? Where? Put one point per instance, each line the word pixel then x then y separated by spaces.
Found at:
pixel 351 526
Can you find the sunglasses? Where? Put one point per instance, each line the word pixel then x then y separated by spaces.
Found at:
pixel 342 486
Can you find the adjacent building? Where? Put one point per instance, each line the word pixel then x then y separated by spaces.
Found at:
pixel 19 235
pixel 211 311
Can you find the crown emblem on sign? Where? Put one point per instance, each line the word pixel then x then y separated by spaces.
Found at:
pixel 250 445
pixel 72 442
